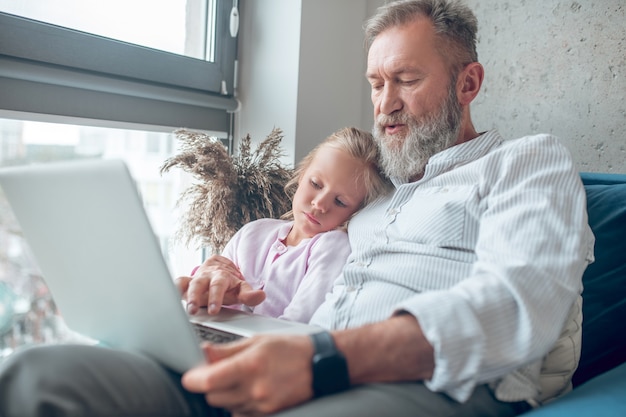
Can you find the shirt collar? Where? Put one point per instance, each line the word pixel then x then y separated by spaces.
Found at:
pixel 458 155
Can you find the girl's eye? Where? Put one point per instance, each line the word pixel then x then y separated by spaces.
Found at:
pixel 315 184
pixel 340 203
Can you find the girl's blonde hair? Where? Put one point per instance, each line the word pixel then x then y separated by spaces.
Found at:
pixel 360 145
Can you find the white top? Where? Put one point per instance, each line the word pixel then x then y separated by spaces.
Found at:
pixel 295 278
pixel 487 251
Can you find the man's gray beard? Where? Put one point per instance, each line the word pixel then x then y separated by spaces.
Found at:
pixel 431 135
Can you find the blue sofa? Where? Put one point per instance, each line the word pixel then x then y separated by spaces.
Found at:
pixel 600 379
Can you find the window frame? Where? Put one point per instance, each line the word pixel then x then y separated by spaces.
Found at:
pixel 53 70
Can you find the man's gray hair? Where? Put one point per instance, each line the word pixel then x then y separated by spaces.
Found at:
pixel 454 23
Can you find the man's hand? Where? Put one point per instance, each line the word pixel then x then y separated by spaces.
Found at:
pixel 264 374
pixel 216 282
pixel 255 376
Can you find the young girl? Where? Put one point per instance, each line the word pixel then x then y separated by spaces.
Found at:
pixel 286 266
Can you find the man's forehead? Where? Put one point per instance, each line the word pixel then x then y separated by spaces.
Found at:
pixel 396 64
pixel 402 49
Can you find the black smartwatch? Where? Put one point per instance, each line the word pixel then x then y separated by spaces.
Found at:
pixel 330 369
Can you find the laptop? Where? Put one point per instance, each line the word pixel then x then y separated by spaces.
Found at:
pixel 87 228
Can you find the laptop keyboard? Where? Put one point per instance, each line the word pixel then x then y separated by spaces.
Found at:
pixel 212 335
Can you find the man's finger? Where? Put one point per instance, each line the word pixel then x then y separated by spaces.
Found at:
pixel 219 286
pixel 197 290
pixel 182 283
pixel 249 296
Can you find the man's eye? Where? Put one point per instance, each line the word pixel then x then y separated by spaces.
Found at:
pixel 375 84
pixel 407 82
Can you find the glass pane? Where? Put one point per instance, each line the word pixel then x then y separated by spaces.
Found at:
pixel 27 312
pixel 183 27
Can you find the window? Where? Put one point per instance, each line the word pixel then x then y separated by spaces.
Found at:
pixel 182 27
pixel 27 311
pixel 70 89
pixel 51 69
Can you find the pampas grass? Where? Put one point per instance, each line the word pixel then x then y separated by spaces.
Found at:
pixel 229 190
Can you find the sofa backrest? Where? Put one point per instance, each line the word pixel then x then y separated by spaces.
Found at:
pixel 604 294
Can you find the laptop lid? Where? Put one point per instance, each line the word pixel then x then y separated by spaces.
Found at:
pixel 85 223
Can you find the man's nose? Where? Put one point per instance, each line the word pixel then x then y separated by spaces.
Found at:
pixel 389 100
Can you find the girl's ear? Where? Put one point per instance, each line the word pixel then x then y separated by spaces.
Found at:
pixel 469 82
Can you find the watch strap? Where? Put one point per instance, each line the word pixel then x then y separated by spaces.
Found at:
pixel 323 343
pixel 330 369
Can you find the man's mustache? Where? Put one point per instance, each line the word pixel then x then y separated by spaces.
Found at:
pixel 392 119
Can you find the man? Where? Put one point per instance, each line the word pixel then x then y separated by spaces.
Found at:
pixel 461 284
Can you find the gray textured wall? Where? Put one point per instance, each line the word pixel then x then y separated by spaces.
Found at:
pixel 557 67
pixel 551 66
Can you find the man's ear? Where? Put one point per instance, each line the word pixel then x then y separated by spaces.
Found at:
pixel 469 82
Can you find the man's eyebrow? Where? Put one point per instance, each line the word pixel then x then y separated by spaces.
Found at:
pixel 394 72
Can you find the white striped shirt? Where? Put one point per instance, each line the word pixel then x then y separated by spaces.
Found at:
pixel 487 251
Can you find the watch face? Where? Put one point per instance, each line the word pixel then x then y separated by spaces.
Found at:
pixel 330 374
pixel 330 369
pixel 329 363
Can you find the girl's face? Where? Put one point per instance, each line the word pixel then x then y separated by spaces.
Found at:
pixel 330 190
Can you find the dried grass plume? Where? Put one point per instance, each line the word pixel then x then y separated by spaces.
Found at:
pixel 229 190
